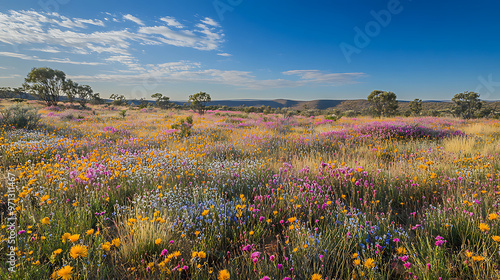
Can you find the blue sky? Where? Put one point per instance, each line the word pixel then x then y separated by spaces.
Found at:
pixel 242 49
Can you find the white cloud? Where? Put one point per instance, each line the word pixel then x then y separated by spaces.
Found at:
pixel 316 76
pixel 10 77
pixel 185 71
pixel 133 19
pixel 47 50
pixel 172 22
pixel 52 32
pixel 210 21
pixel 224 54
pixel 55 60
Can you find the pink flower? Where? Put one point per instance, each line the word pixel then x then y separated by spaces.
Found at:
pixel 247 248
pixel 164 252
pixel 404 258
pixel 265 278
pixel 280 266
pixel 255 255
pixel 428 266
pixel 407 265
pixel 272 258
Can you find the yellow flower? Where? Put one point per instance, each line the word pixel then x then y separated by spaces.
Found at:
pixel 468 254
pixel 106 246
pixel 65 237
pixel 44 198
pixel 295 249
pixel 205 212
pixel 401 251
pixel 90 232
pixel 355 255
pixel 74 237
pixel 78 251
pixel 65 272
pixel 291 220
pixel 492 216
pixel 177 253
pixel 316 277
pixel 57 252
pixel 194 255
pixel 46 221
pixel 357 261
pixel 251 232
pixel 158 241
pixel 305 246
pixel 202 255
pixel 484 227
pixel 290 227
pixel 116 242
pixel 223 275
pixel 477 258
pixel 369 263
pixel 496 238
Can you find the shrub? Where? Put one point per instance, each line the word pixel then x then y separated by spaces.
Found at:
pixel 184 126
pixel 20 117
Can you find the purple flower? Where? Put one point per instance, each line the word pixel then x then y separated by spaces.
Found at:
pixel 247 248
pixel 260 220
pixel 21 232
pixel 280 266
pixel 272 257
pixel 287 278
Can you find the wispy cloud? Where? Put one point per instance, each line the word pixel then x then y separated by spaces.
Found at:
pixel 185 71
pixel 133 19
pixel 172 22
pixel 54 33
pixel 56 60
pixel 316 76
pixel 224 54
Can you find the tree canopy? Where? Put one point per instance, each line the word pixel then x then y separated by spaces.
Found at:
pixel 384 103
pixel 199 101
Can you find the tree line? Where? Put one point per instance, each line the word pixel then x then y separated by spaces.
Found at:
pixel 384 103
pixel 49 85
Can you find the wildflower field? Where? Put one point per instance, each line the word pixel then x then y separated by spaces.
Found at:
pixel 231 195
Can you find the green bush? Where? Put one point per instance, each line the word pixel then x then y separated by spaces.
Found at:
pixel 20 117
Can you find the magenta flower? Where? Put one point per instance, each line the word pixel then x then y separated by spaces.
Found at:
pixel 255 255
pixel 272 258
pixel 280 266
pixel 265 278
pixel 164 252
pixel 407 265
pixel 247 248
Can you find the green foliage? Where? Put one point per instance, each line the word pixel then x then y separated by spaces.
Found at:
pixel 20 117
pixel 199 101
pixel 467 104
pixel 184 126
pixel 118 100
pixel 45 83
pixel 143 103
pixel 161 101
pixel 384 103
pixel 123 113
pixel 416 106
